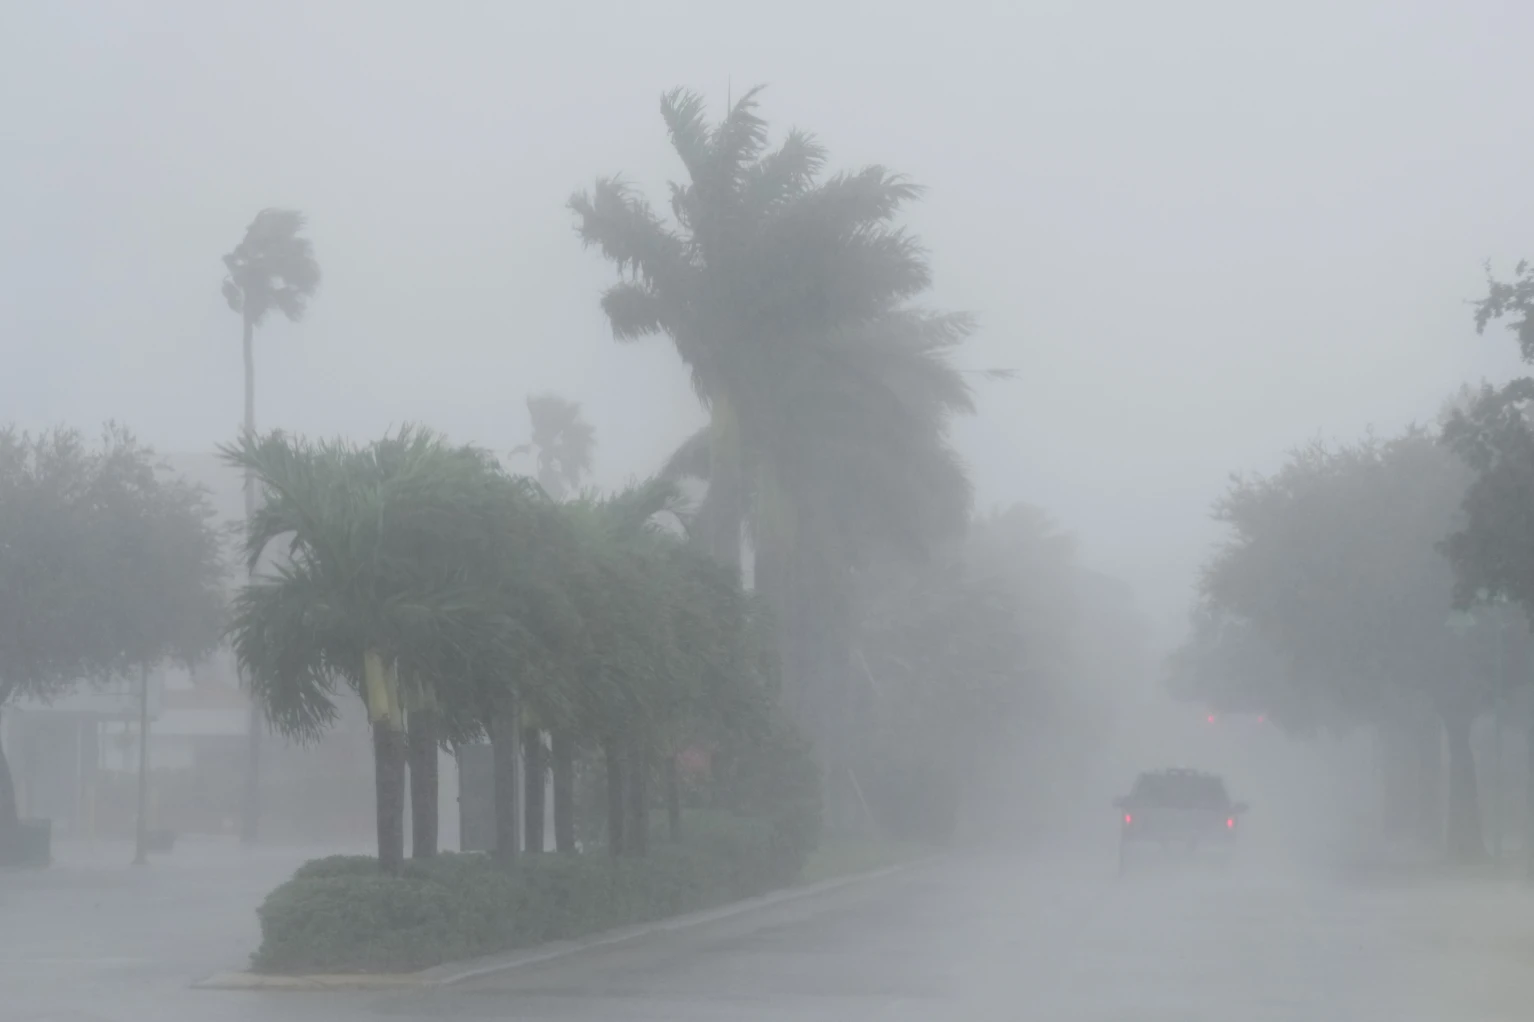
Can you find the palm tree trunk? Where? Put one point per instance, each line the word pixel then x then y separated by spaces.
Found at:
pixel 613 758
pixel 637 827
pixel 424 731
pixel 250 814
pixel 535 776
pixel 1465 840
pixel 503 751
pixel 1528 786
pixel 563 756
pixel 673 799
pixel 10 822
pixel 389 788
pixel 725 502
pixel 141 824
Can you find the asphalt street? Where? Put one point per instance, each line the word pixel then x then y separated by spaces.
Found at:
pixel 971 938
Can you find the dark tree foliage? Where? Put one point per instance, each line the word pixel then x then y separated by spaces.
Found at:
pixel 1514 301
pixel 1493 553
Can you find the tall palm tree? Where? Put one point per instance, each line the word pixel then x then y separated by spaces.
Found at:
pixel 787 295
pixel 273 267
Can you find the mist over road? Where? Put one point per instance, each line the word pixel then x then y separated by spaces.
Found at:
pixel 997 938
pixel 969 939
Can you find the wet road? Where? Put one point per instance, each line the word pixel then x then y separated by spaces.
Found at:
pixel 983 939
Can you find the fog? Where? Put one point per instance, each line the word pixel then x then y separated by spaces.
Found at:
pixel 1198 234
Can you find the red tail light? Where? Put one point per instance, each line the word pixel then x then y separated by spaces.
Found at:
pixel 1230 823
pixel 1128 819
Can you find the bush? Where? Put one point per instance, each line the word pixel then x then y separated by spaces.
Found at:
pixel 339 914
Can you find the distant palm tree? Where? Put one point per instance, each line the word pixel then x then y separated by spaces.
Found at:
pixel 273 267
pixel 562 443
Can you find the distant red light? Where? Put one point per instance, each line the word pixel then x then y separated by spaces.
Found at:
pixel 1128 819
pixel 1230 823
pixel 1210 718
pixel 1261 717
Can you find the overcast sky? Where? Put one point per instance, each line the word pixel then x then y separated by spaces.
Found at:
pixel 1202 232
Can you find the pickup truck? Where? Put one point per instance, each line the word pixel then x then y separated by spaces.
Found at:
pixel 1185 809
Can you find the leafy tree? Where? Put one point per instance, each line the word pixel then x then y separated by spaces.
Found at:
pixel 1335 565
pixel 786 293
pixel 272 269
pixel 1512 300
pixel 1493 551
pixel 107 566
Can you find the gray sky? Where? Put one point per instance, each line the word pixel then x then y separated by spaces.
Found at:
pixel 1202 231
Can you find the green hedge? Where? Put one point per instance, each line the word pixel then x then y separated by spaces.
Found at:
pixel 339 914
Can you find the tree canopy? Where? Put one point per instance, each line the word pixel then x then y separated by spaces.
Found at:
pixel 1332 602
pixel 418 574
pixel 108 564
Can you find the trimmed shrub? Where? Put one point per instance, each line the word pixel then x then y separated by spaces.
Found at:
pixel 339 914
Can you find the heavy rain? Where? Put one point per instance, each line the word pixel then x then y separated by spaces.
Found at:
pixel 694 511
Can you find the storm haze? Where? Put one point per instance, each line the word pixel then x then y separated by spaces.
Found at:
pixel 1201 233
pixel 628 524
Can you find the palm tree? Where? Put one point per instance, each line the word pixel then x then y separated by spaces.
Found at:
pixel 273 267
pixel 562 442
pixel 621 682
pixel 385 588
pixel 786 295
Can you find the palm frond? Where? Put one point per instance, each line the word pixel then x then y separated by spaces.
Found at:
pixel 856 201
pixel 620 223
pixel 636 310
pixel 784 174
pixel 738 140
pixel 692 458
pixel 687 124
pixel 283 634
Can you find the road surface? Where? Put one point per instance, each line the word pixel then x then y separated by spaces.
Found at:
pixel 981 939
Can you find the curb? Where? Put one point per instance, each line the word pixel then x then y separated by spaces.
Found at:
pixel 451 973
